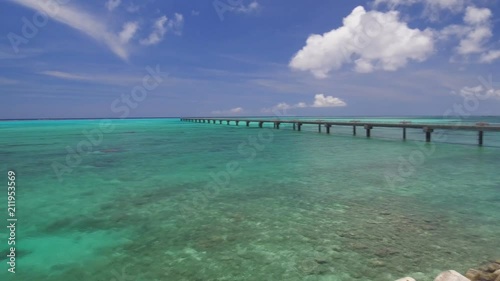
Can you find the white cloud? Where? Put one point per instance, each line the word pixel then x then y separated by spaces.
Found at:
pixel 371 40
pixel 476 16
pixel 65 75
pixel 82 21
pixel 479 92
pixel 160 28
pixel 431 7
pixel 129 30
pixel 113 4
pixel 159 31
pixel 236 110
pixel 102 78
pixel 248 9
pixel 195 13
pixel 176 24
pixel 320 100
pixel 131 8
pixel 490 56
pixel 478 31
pixel 474 34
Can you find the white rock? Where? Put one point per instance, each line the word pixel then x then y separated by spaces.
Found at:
pixel 406 279
pixel 451 275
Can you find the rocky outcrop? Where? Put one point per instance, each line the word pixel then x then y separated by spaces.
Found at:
pixel 451 275
pixel 487 272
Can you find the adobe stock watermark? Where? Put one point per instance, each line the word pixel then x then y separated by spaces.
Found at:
pixel 248 150
pixel 123 275
pixel 471 101
pixel 223 6
pixel 31 26
pixel 121 106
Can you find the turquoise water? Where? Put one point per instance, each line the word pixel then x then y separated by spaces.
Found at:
pixel 157 199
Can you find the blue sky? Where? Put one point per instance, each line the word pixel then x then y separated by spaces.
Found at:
pixel 74 59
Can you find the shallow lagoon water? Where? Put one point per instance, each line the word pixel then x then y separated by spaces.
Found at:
pixel 163 200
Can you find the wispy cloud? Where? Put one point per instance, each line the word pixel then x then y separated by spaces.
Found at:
pixel 129 30
pixel 94 78
pixel 7 81
pixel 432 8
pixel 247 9
pixel 84 22
pixel 131 8
pixel 65 75
pixel 6 53
pixel 236 110
pixel 162 26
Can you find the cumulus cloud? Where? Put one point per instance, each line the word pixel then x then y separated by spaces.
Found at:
pixel 113 4
pixel 236 110
pixel 160 28
pixel 371 40
pixel 320 100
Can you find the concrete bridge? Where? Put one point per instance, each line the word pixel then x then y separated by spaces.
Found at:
pixel 427 129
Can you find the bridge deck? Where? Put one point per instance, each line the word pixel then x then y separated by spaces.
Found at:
pixel 468 127
pixel 428 129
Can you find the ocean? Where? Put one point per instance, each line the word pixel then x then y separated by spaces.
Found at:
pixel 160 199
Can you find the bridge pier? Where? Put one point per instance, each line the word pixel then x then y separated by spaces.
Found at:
pixel 428 131
pixel 480 138
pixel 228 121
pixel 404 133
pixel 328 126
pixel 260 124
pixel 277 125
pixel 368 129
pixel 248 123
pixel 220 121
pixel 353 130
pixel 294 126
pixel 237 122
pixel 319 128
pixel 299 126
